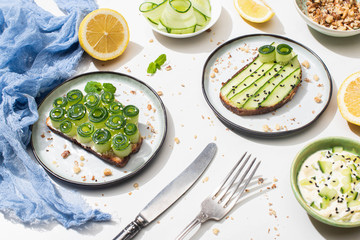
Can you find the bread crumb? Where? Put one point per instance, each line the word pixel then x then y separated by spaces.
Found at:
pixel 306 64
pixel 42 135
pixel 160 93
pixel 151 40
pixel 260 180
pixel 177 141
pixel 82 158
pixel 168 68
pixel 107 172
pixel 275 180
pixel 317 99
pixel 212 75
pixel 215 231
pixel 76 169
pixel 65 154
pixel 149 107
pixel 266 128
pixel 316 77
pixel 136 186
pixel 205 179
pixel 216 70
pixel 195 136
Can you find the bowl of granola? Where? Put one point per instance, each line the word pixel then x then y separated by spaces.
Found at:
pixel 337 18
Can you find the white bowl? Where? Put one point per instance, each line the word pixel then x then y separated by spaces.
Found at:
pixel 215 14
pixel 300 6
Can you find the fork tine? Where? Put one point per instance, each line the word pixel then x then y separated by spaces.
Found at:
pixel 218 190
pixel 234 178
pixel 242 190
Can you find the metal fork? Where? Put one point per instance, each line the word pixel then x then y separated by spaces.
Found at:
pixel 224 198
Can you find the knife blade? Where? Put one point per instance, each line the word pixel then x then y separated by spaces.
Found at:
pixel 172 192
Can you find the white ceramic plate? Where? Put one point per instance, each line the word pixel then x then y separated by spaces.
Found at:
pixel 294 116
pixel 48 146
pixel 215 15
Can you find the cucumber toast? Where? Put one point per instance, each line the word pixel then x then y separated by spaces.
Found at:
pixel 265 84
pixel 97 122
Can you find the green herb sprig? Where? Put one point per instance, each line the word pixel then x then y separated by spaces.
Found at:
pixel 97 87
pixel 154 66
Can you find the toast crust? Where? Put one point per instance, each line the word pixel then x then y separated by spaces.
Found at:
pixel 108 157
pixel 261 110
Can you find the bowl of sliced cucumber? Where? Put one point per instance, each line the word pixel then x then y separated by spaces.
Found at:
pixel 181 18
pixel 325 179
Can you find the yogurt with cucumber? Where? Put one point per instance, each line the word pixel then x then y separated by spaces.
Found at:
pixel 329 182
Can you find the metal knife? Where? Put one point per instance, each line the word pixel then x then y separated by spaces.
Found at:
pixel 172 192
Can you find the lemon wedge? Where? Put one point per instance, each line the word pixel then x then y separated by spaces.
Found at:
pixel 348 98
pixel 254 10
pixel 104 34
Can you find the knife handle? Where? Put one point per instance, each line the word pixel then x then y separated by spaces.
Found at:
pixel 131 229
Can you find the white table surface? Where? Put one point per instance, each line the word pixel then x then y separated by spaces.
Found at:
pixel 189 115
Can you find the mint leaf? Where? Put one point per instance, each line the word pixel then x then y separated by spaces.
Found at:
pixel 151 68
pixel 160 60
pixel 108 87
pixel 93 87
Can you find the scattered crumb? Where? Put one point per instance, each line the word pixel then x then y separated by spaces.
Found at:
pixel 149 107
pixel 275 180
pixel 306 64
pixel 42 135
pixel 307 80
pixel 76 169
pixel 266 128
pixel 272 212
pixel 151 40
pixel 247 190
pixel 318 98
pixel 160 93
pixel 215 231
pixel 136 186
pixel 273 186
pixel 82 158
pixel 107 172
pixel 50 138
pixel 133 92
pixel 168 68
pixel 277 127
pixel 177 141
pixel 216 70
pixel 65 154
pixel 65 146
pixel 212 75
pixel 260 180
pixel 205 179
pixel 195 136
pixel 316 77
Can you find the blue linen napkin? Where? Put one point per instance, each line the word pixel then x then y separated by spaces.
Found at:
pixel 38 51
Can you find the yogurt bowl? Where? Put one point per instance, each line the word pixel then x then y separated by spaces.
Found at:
pixel 316 177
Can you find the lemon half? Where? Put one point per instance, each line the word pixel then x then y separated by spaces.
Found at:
pixel 348 98
pixel 104 34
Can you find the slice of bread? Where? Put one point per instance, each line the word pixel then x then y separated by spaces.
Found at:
pixel 109 156
pixel 250 82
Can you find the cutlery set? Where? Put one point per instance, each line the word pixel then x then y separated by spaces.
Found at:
pixel 214 207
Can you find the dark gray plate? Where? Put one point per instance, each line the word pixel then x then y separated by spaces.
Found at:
pixel 294 116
